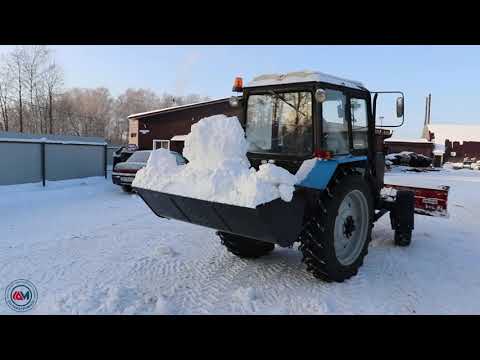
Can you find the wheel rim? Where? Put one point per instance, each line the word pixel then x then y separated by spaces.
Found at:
pixel 351 226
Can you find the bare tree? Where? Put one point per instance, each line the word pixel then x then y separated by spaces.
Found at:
pixel 5 85
pixel 88 111
pixel 35 62
pixel 130 102
pixel 15 66
pixel 52 80
pixel 31 99
pixel 30 80
pixel 65 110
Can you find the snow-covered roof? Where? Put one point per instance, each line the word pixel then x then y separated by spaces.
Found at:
pixel 421 140
pixel 302 76
pixel 50 139
pixel 454 132
pixel 173 108
pixel 178 138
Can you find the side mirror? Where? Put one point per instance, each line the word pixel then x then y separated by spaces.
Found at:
pixel 400 106
pixel 320 95
pixel 385 110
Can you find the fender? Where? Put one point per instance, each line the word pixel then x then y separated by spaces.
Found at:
pixel 321 170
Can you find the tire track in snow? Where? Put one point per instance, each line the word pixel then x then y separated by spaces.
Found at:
pixel 212 278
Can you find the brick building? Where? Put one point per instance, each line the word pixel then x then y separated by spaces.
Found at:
pixel 419 146
pixel 454 142
pixel 168 127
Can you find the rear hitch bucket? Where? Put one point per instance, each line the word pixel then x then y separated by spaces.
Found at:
pixel 276 222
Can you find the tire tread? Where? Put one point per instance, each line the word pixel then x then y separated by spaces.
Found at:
pixel 315 247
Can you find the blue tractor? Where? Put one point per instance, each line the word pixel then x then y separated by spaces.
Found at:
pixel 327 124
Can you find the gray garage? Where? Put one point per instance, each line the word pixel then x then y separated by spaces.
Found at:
pixel 27 158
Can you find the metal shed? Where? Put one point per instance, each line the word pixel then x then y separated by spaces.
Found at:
pixel 30 158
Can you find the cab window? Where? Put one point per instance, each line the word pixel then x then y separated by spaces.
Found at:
pixel 358 111
pixel 335 123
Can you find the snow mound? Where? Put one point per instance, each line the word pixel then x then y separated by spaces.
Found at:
pixel 162 159
pixel 218 169
pixel 214 140
pixel 305 169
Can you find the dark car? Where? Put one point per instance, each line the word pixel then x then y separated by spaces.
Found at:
pixel 124 172
pixel 123 153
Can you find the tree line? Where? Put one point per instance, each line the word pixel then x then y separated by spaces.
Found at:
pixel 33 99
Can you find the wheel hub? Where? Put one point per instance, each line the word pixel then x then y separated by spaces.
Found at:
pixel 348 227
pixel 351 227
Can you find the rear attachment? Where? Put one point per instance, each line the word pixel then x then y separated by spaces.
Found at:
pixel 428 201
pixel 277 222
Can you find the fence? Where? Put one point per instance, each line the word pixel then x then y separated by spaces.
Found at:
pixel 28 158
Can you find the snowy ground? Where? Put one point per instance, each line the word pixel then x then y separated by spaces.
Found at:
pixel 89 248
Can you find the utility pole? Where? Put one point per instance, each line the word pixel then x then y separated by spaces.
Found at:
pixel 426 112
pixel 429 107
pixel 428 102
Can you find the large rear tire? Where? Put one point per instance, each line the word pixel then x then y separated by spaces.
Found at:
pixel 245 247
pixel 336 238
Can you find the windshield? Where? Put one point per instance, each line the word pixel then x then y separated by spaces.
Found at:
pixel 280 123
pixel 139 156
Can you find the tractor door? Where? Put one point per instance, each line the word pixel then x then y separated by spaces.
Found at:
pixel 334 123
pixel 359 114
pixel 348 128
pixel 363 135
pixel 346 122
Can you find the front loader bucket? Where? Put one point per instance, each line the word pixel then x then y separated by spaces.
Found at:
pixel 276 222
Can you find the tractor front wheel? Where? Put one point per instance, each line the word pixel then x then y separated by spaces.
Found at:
pixel 245 247
pixel 335 239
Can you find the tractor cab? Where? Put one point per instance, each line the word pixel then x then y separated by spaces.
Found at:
pixel 297 116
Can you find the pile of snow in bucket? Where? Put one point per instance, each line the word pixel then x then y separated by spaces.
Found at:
pixel 218 169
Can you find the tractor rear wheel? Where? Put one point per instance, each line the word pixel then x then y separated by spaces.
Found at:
pixel 245 247
pixel 335 239
pixel 402 217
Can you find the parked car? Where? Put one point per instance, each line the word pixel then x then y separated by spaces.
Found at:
pixel 124 172
pixel 123 153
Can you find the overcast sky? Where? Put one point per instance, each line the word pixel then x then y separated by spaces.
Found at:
pixel 450 73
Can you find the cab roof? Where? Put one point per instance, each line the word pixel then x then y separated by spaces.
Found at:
pixel 303 76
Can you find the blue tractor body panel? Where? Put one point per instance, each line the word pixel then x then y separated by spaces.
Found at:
pixel 323 170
